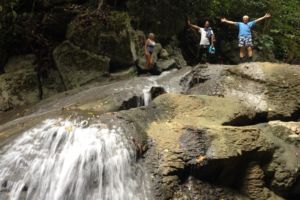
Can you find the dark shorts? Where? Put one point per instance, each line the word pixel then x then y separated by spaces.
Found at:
pixel 245 41
pixel 203 55
pixel 204 46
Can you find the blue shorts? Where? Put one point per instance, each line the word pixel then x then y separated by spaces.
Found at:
pixel 245 41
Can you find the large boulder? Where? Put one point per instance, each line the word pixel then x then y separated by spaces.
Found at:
pixel 51 83
pixel 162 60
pixel 77 66
pixel 110 36
pixel 271 89
pixel 20 62
pixel 194 155
pixel 19 86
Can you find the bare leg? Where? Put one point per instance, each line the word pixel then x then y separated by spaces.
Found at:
pixel 242 52
pixel 250 52
pixel 148 61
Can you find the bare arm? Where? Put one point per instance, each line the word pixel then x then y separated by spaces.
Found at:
pixel 224 20
pixel 268 15
pixel 197 28
pixel 212 39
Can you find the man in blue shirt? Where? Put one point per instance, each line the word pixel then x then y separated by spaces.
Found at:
pixel 245 35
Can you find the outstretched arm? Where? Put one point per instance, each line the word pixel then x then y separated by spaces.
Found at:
pixel 197 28
pixel 224 20
pixel 268 15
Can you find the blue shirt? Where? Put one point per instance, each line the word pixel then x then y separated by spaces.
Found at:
pixel 245 29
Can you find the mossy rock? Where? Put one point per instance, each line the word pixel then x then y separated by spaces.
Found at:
pixel 110 37
pixel 79 67
pixel 19 88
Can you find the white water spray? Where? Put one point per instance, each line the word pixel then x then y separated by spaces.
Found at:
pixel 60 160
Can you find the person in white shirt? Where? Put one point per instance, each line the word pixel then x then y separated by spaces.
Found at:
pixel 207 40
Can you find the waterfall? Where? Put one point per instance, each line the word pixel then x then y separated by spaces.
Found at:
pixel 62 160
pixel 164 81
pixel 147 96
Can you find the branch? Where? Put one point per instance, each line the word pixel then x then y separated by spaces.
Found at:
pixel 100 4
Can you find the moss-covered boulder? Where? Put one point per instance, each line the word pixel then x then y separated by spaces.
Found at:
pixel 20 62
pixel 110 36
pixel 51 83
pixel 19 87
pixel 77 66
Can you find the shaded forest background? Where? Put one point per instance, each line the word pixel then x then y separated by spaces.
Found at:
pixel 37 26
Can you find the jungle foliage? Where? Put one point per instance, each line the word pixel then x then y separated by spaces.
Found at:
pixel 21 23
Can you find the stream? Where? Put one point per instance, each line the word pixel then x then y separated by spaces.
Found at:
pixel 64 160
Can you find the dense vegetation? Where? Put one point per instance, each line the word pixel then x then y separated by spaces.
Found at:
pixel 32 25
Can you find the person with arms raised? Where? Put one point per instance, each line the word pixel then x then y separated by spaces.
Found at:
pixel 245 35
pixel 206 42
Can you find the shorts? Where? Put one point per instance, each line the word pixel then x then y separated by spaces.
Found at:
pixel 245 41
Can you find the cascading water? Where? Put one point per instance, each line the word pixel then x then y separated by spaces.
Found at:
pixel 147 96
pixel 61 160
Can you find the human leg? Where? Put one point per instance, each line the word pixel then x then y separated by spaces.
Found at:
pixel 250 53
pixel 249 44
pixel 242 52
pixel 242 45
pixel 148 61
pixel 204 53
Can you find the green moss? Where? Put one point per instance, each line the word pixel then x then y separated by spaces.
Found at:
pixel 118 21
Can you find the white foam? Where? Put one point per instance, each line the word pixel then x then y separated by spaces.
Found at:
pixel 61 160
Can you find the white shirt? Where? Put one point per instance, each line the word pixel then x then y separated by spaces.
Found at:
pixel 204 40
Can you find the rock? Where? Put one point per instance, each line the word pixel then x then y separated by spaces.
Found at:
pixel 52 83
pixel 161 60
pixel 21 62
pixel 268 88
pixel 164 65
pixel 141 62
pixel 175 52
pixel 78 67
pixel 191 140
pixel 199 190
pixel 19 88
pixel 254 185
pixel 111 38
pixel 164 54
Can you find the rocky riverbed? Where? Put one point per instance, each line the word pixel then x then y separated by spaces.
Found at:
pixel 203 132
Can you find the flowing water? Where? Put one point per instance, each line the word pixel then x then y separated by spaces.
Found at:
pixel 168 86
pixel 63 160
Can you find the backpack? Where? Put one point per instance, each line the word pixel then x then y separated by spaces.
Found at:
pixel 209 32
